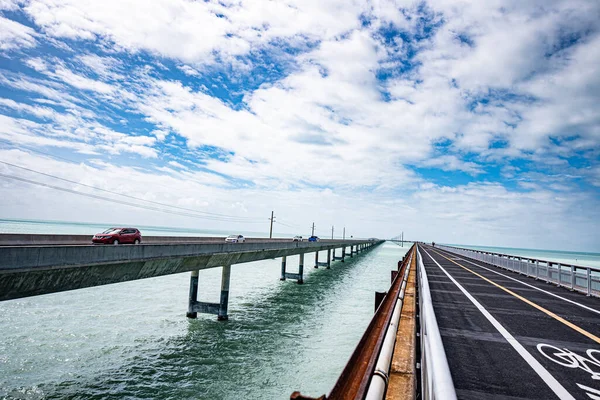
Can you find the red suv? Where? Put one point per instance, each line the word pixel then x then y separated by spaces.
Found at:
pixel 118 236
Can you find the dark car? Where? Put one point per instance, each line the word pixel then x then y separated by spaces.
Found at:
pixel 118 236
pixel 313 239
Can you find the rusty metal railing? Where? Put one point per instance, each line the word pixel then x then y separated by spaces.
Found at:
pixel 356 377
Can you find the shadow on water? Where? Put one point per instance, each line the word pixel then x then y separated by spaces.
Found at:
pixel 240 358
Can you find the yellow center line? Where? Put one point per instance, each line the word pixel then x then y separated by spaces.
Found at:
pixel 531 303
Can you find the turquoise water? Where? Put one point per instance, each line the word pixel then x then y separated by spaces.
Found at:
pixel 584 259
pixel 132 340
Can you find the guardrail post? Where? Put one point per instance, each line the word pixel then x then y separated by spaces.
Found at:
pixel 317 259
pixel 193 294
pixel 589 281
pixel 283 262
pixel 572 278
pixel 537 269
pixel 329 258
pixel 225 278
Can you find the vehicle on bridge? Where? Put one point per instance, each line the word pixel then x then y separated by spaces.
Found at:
pixel 118 236
pixel 297 239
pixel 313 239
pixel 235 239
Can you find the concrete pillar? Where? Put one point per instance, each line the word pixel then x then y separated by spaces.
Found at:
pixel 301 269
pixel 351 251
pixel 193 294
pixel 316 259
pixel 343 253
pixel 225 275
pixel 329 258
pixel 283 261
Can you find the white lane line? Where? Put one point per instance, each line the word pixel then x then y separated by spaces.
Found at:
pixel 543 373
pixel 594 394
pixel 534 287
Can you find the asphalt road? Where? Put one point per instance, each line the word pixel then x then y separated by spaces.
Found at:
pixel 507 336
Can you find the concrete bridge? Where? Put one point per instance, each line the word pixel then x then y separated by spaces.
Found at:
pixel 32 265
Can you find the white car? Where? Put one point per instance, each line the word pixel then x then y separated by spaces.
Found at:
pixel 297 239
pixel 235 239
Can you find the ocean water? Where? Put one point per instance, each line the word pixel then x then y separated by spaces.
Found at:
pixel 132 340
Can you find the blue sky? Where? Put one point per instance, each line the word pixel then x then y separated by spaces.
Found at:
pixel 452 121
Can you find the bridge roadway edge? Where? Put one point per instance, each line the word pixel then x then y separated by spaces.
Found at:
pixel 35 270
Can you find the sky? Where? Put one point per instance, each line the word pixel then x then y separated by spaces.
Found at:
pixel 452 121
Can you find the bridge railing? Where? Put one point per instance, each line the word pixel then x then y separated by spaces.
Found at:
pixel 574 277
pixel 436 380
pixel 366 374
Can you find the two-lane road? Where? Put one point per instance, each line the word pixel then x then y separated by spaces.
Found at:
pixel 511 337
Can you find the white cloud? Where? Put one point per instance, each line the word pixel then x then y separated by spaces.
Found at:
pixel 453 163
pixel 105 67
pixel 186 69
pixel 330 136
pixel 15 36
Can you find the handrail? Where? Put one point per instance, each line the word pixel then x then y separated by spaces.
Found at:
pixel 568 277
pixel 521 257
pixel 380 380
pixel 436 380
pixel 353 383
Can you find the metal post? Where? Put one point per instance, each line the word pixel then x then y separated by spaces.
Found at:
pixel 537 269
pixel 589 281
pixel 572 278
pixel 283 261
pixel 316 259
pixel 271 230
pixel 329 258
pixel 225 276
pixel 193 294
pixel 301 269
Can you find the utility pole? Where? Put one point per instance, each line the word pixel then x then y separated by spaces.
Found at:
pixel 313 229
pixel 271 230
pixel 402 240
pixel 344 236
pixel 332 231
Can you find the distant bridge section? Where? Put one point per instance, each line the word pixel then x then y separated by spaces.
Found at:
pixel 31 268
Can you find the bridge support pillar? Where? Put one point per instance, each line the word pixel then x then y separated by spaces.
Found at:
pixel 329 258
pixel 193 294
pixel 299 276
pixel 301 269
pixel 351 251
pixel 283 262
pixel 224 302
pixel 220 308
pixel 317 259
pixel 343 253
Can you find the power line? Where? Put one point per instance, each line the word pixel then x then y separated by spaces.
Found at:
pixel 119 201
pixel 289 226
pixel 132 197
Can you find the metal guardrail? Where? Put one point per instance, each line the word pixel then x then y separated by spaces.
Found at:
pixel 436 380
pixel 574 277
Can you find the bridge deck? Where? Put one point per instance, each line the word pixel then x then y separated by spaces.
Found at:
pixel 511 337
